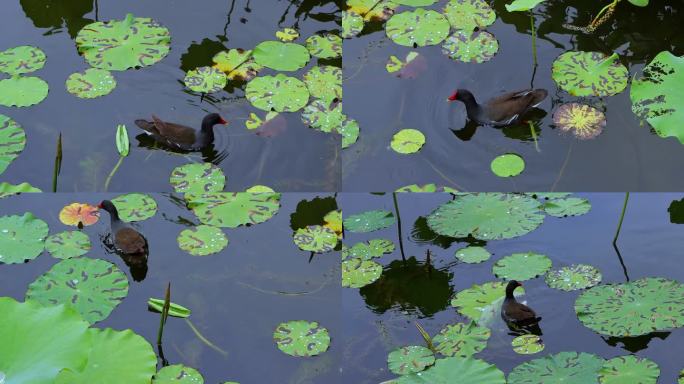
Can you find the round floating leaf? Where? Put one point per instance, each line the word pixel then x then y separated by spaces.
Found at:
pixel 632 309
pixel 487 216
pixel 481 303
pixel 333 220
pixel 259 189
pixel 301 338
pixel 408 141
pixel 287 34
pixel 565 367
pixel 237 64
pixel 135 206
pixel 93 287
pixel 12 141
pixel 203 240
pixel 205 79
pixel 459 370
pixel 372 10
pixel 233 209
pixel 583 121
pixel 7 189
pixel 415 3
pixel 67 244
pixel 573 277
pixel 466 15
pixel 527 344
pixel 420 27
pixel 21 238
pixel 118 45
pixel 410 359
pixel 369 221
pixel 471 47
pixel 372 248
pixel 91 83
pixel 571 206
pixel 325 83
pixel 589 73
pixel 408 69
pixel 281 56
pixel 20 91
pixel 198 178
pixel 22 59
pixel 472 254
pixel 508 165
pixel 656 95
pixel 415 188
pixel 461 339
pixel 352 24
pixel 178 373
pixel 522 5
pixel 357 273
pixel 521 266
pixel 629 369
pixel 279 93
pixel 79 214
pixel 254 121
pixel 323 117
pixel 327 46
pixel 349 131
pixel 315 238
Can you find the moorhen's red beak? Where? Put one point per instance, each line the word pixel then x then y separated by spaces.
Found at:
pixel 452 97
pixel 100 206
pixel 223 121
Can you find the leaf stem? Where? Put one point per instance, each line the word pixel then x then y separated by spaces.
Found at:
pixel 111 174
pixel 401 240
pixel 204 339
pixel 534 38
pixel 58 163
pixel 164 314
pixel 622 217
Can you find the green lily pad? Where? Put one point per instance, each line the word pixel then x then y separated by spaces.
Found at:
pixel 325 83
pixel 461 339
pixel 357 273
pixel 118 45
pixel 419 27
pixel 631 309
pixel 352 24
pixel 472 254
pixel 91 83
pixel 371 249
pixel 369 221
pixel 326 46
pixel 459 370
pixel 466 15
pixel 573 277
pixel 548 195
pixel 287 34
pixel 22 59
pixel 415 188
pixel 205 79
pixel 259 189
pixel 481 303
pixel 233 209
pixel 582 121
pixel 629 369
pixel 21 238
pixel 508 165
pixel 487 216
pixel 410 359
pixel 68 244
pixel 656 95
pixel 7 189
pixel 589 73
pixel 20 91
pixel 12 141
pixel 471 47
pixel 565 367
pixel 197 178
pixel 409 68
pixel 178 373
pixel 522 5
pixel 203 240
pixel 135 206
pixel 372 10
pixel 281 56
pixel 315 238
pixel 527 344
pixel 175 310
pixel 415 3
pixel 278 93
pixel 571 206
pixel 254 121
pixel 238 64
pixel 301 338
pixel 349 131
pixel 521 266
pixel 323 117
pixel 407 141
pixel 93 287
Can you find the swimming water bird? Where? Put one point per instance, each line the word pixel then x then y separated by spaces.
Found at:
pixel 502 110
pixel 126 239
pixel 515 313
pixel 178 136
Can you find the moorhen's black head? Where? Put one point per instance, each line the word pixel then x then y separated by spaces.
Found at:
pixel 512 285
pixel 461 95
pixel 212 119
pixel 109 207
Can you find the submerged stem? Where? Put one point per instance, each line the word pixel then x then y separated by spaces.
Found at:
pixel 622 217
pixel 204 339
pixel 396 211
pixel 111 174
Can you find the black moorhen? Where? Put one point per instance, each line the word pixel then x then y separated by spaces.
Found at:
pixel 127 240
pixel 502 110
pixel 515 313
pixel 179 136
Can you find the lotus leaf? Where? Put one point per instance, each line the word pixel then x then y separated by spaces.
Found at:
pixel 656 95
pixel 178 373
pixel 233 209
pixel 203 240
pixel 118 45
pixel 369 221
pixel 90 84
pixel 407 141
pixel 415 3
pixel 461 339
pixel 349 131
pixel 205 79
pixel 20 91
pixel 471 47
pixel 548 195
pixel 420 27
pixel 135 206
pixel 287 34
pixel 410 359
pixel 565 367
pixel 259 189
pixel 7 189
pixel 634 308
pixel 21 238
pixel 352 24
pixel 333 220
pixel 508 165
pixel 415 188
pixel 315 238
pixel 372 248
pixel 325 83
pixel 237 64
pixel 198 178
pixel 326 46
pixel 629 369
pixel 278 93
pixel 522 5
pixel 589 73
pixel 583 121
pixel 521 266
pixel 254 121
pixel 281 56
pixel 67 244
pixel 639 3
pixel 459 370
pixel 481 303
pixel 527 344
pixel 12 141
pixel 323 117
pixel 175 310
pixel 301 338
pixel 77 214
pixel 372 9
pixel 466 15
pixel 573 277
pixel 571 206
pixel 487 216
pixel 357 273
pixel 396 65
pixel 472 254
pixel 22 59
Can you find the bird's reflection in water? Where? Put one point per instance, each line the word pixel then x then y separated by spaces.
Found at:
pixel 209 154
pixel 137 264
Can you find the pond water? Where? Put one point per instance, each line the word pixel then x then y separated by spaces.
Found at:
pixel 294 159
pixel 626 156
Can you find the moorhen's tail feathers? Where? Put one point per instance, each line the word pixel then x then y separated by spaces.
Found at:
pixel 539 96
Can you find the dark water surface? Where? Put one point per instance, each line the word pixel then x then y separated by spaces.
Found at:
pixel 626 156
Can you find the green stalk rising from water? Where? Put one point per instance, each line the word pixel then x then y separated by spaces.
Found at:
pixel 622 217
pixel 58 163
pixel 123 146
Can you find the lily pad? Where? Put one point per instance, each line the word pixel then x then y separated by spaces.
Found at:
pixel 415 188
pixel 287 34
pixel 325 83
pixel 178 373
pixel 481 303
pixel 203 240
pixel 12 141
pixel 369 221
pixel 571 206
pixel 522 5
pixel 415 3
pixel 323 117
pixel 508 165
pixel 118 45
pixel 472 254
pixel 461 339
pixel 487 216
pixel 68 244
pixel 205 79
pixel 352 24
pixel 22 59
pixel 326 46
pixel 7 189
pixel 349 131
pixel 372 10
pixel 565 367
pixel 197 178
pixel 20 91
pixel 77 214
pixel 521 266
pixel 281 56
pixel 238 64
pixel 254 121
pixel 410 359
pixel 573 277
pixel 278 93
pixel 471 47
pixel 466 15
pixel 629 369
pixel 357 273
pixel 21 238
pixel 301 338
pixel 315 238
pixel 233 209
pixel 259 189
pixel 408 141
pixel 409 68
pixel 527 344
pixel 583 121
pixel 135 206
pixel 589 73
pixel 91 83
pixel 93 287
pixel 417 28
pixel 371 249
pixel 459 370
pixel 333 220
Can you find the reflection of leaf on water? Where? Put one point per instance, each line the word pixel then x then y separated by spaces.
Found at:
pixel 637 343
pixel 309 370
pixel 200 54
pixel 312 212
pixel 422 234
pixel 91 169
pixel 56 14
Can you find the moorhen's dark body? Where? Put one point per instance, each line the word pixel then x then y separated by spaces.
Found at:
pixel 501 110
pixel 180 136
pixel 515 313
pixel 126 239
